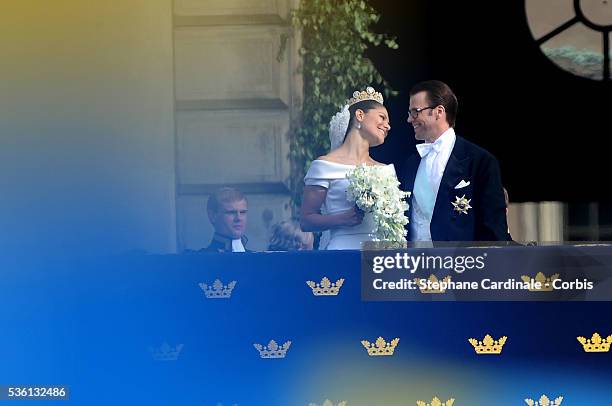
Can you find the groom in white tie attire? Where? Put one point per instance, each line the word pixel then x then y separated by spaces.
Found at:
pixel 457 193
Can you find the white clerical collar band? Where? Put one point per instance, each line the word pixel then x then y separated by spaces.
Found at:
pixel 237 246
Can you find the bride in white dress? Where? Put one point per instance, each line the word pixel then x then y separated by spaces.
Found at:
pixel 363 123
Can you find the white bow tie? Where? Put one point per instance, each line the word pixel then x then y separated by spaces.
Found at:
pixel 426 147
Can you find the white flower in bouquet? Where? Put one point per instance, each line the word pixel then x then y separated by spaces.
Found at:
pixel 375 190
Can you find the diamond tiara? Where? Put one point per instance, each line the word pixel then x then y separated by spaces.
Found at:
pixel 368 94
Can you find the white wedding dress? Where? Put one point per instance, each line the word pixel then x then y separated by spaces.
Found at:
pixel 332 176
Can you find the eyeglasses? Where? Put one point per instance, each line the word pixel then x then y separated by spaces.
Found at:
pixel 414 113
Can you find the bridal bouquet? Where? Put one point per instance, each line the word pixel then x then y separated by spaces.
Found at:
pixel 373 189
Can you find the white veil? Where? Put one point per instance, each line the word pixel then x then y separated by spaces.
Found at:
pixel 338 126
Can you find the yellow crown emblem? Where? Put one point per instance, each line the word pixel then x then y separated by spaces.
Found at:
pixel 326 288
pixel 218 290
pixel 545 282
pixel 433 279
pixel 166 352
pixel 380 347
pixel 488 345
pixel 329 403
pixel 368 94
pixel 544 401
pixel 436 402
pixel 595 343
pixel 272 350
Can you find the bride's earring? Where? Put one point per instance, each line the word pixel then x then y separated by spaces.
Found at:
pixel 359 126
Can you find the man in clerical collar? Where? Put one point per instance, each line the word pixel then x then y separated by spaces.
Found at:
pixel 227 211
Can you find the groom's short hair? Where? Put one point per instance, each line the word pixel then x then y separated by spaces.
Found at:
pixel 439 94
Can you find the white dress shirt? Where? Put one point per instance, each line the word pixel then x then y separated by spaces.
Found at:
pixel 434 157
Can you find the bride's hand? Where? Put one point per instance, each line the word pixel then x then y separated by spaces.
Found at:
pixel 352 217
